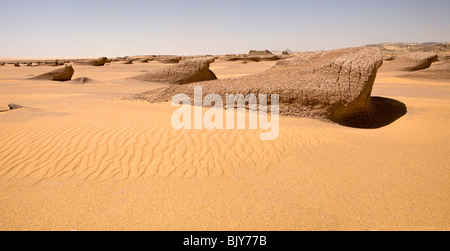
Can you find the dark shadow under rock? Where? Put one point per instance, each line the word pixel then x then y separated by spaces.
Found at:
pixel 384 112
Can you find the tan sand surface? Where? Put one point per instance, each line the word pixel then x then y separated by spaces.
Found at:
pixel 79 157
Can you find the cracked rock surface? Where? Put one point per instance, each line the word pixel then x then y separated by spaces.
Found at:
pixel 332 85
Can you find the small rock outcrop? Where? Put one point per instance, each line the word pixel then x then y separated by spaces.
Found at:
pixel 333 85
pixel 188 71
pixel 63 74
pixel 14 106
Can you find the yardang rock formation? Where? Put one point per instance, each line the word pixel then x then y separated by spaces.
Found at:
pixel 411 62
pixel 333 85
pixel 63 74
pixel 96 62
pixel 187 71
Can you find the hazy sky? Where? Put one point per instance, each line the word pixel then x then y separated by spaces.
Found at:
pixel 88 28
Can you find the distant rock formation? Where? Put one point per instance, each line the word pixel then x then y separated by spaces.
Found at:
pixel 256 56
pixel 2 63
pixel 52 63
pixel 413 47
pixel 17 64
pixel 438 71
pixel 96 62
pixel 252 58
pixel 63 74
pixel 333 85
pixel 410 62
pixel 128 62
pixel 144 60
pixel 168 59
pixel 187 71
pixel 14 106
pixel 260 53
pixel 118 59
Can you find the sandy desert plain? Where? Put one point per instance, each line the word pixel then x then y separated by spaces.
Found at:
pixel 93 154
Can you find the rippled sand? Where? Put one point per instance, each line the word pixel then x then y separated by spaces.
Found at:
pixel 79 157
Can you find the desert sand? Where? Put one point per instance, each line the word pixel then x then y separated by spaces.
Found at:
pixel 86 157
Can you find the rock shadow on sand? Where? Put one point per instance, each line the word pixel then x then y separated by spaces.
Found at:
pixel 384 112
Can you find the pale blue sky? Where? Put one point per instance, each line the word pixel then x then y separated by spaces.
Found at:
pixel 91 28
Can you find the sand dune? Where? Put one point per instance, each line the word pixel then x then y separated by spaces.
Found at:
pixel 79 157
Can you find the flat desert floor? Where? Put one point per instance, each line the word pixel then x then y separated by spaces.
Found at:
pixel 83 157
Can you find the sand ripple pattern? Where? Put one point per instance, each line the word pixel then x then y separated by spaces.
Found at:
pixel 120 151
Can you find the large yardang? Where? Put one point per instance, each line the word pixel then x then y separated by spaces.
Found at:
pixel 411 62
pixel 96 62
pixel 334 85
pixel 188 71
pixel 63 74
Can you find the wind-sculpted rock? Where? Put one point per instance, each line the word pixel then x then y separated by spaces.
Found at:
pixel 144 60
pixel 188 71
pixel 333 85
pixel 63 74
pixel 14 106
pixel 52 63
pixel 438 71
pixel 168 59
pixel 253 57
pixel 96 62
pixel 410 62
pixel 260 53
